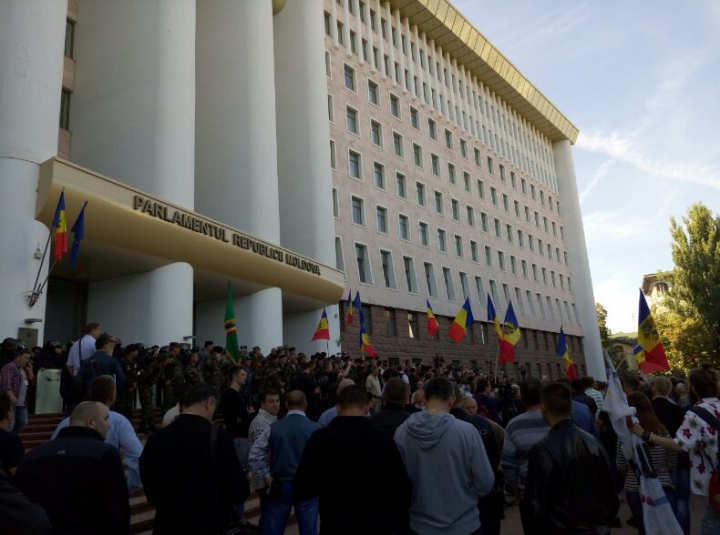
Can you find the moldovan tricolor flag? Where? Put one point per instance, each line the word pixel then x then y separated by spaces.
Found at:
pixel 651 354
pixel 323 329
pixel 562 351
pixel 492 318
pixel 365 343
pixel 510 336
pixel 432 322
pixel 350 314
pixel 59 225
pixel 462 321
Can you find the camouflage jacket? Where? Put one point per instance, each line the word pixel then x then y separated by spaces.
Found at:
pixel 193 375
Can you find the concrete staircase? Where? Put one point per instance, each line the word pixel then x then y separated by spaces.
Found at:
pixel 39 430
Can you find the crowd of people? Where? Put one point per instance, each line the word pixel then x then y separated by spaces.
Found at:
pixel 353 446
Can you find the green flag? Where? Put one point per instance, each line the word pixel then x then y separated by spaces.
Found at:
pixel 231 341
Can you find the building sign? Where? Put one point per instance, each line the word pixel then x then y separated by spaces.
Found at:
pixel 214 231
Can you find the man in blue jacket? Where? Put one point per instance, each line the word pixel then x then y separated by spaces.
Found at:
pixel 447 464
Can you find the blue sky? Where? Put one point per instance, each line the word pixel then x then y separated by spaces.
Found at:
pixel 641 80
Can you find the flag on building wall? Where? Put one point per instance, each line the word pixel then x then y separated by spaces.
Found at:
pixel 323 329
pixel 231 341
pixel 365 345
pixel 59 226
pixel 649 352
pixel 563 352
pixel 463 320
pixel 492 318
pixel 78 233
pixel 510 336
pixel 357 305
pixel 349 309
pixel 432 322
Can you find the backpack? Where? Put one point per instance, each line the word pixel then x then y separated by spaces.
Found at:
pixel 714 485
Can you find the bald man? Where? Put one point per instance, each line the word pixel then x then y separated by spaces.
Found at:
pixel 327 416
pixel 78 479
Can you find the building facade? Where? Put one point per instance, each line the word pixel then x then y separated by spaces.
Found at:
pixel 215 141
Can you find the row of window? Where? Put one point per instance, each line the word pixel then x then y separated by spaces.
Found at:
pixel 544 307
pixel 522 144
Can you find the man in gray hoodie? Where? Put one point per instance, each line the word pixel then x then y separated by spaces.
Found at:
pixel 447 464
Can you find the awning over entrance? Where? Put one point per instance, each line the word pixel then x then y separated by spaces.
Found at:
pixel 129 231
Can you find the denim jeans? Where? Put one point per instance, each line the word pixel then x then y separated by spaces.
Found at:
pixel 275 511
pixel 681 482
pixel 242 449
pixel 710 522
pixel 20 418
pixel 635 504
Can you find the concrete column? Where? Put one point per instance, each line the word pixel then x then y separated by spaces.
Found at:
pixel 401 49
pixel 236 145
pixel 154 307
pixel 333 24
pixel 391 46
pixel 358 32
pixel 303 151
pixel 370 40
pixel 381 41
pixel 30 85
pixel 579 263
pixel 346 27
pixel 410 61
pixel 133 119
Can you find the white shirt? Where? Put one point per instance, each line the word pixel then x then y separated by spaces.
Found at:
pixel 81 350
pixel 171 415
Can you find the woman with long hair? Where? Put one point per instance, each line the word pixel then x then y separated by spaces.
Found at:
pixel 663 461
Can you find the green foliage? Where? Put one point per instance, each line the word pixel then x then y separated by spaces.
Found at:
pixel 602 324
pixel 692 321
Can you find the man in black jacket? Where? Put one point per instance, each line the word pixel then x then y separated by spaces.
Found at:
pixel 569 486
pixel 77 478
pixel 101 363
pixel 396 396
pixel 193 481
pixel 357 472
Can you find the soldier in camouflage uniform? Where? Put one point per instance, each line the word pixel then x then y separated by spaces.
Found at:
pixel 214 369
pixel 193 375
pixel 150 371
pixel 126 398
pixel 173 375
pixel 291 370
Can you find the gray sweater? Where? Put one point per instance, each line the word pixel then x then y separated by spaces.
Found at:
pixel 449 468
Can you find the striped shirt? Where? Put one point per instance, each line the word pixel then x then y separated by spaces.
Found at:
pixel 261 422
pixel 597 397
pixel 521 434
pixel 664 461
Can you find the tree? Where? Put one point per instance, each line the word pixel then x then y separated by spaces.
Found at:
pixel 602 324
pixel 694 296
pixel 686 339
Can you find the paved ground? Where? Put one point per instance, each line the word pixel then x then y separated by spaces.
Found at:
pixel 511 524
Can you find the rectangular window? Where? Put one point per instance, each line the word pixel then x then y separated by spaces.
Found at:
pixel 420 194
pixel 464 285
pixel 404 227
pixel 65 110
pixel 373 93
pixel 448 139
pixel 481 189
pixel 379 175
pixel 401 186
pixel 331 109
pixel 395 106
pixel 355 164
pixel 494 196
pixel 517 208
pixel 455 209
pixel 531 305
pixel 458 246
pixel 449 285
pixel 439 207
pixel 560 313
pixel 470 216
pixel 432 129
pixel 497 228
pixel 414 118
pixel 349 78
pixel 467 182
pixel 423 234
pixel 491 166
pixel 502 173
pixel 533 192
pixel 398 145
pixel 410 279
pixel 336 206
pixel 351 120
pixel 478 157
pixel 551 312
pixel 358 211
pixel 531 241
pixel 430 279
pixel 519 299
pixel 509 232
pixel 523 264
pixel 501 260
pixel 363 264
pixel 488 256
pixel 494 294
pixel 388 269
pixel 544 276
pixel 474 251
pixel 69 39
pixel 413 325
pixel 435 164
pixel 541 308
pixel 535 273
pixel 484 221
pixel 527 214
pixel 417 155
pixel 451 174
pixel 513 265
pixel 513 179
pixel 376 133
pixel 333 161
pixel 463 148
pixel 382 219
pixel 442 243
pixel 390 323
pixel 523 186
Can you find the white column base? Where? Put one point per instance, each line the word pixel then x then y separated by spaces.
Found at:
pixel 153 308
